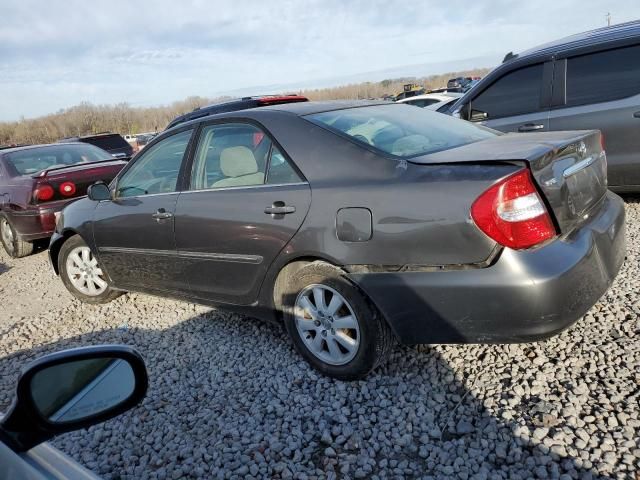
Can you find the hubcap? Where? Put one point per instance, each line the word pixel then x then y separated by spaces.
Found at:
pixel 327 325
pixel 6 232
pixel 83 272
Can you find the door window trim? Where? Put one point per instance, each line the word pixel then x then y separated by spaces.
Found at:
pixel 195 139
pixel 179 182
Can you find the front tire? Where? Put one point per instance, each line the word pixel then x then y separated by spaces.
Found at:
pixel 81 273
pixel 332 323
pixel 13 245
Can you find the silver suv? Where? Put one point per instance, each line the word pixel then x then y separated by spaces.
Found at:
pixel 586 81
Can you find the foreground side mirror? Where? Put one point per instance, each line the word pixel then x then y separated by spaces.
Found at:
pixel 98 191
pixel 73 389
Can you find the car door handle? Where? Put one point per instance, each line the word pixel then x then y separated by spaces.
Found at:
pixel 161 214
pixel 277 209
pixel 530 127
pixel 636 115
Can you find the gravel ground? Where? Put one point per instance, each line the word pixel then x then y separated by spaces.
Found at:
pixel 229 398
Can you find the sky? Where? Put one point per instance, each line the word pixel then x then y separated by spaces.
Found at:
pixel 56 54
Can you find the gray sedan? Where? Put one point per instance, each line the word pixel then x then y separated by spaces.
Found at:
pixel 356 224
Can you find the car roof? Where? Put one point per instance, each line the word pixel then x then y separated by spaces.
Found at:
pixel 308 108
pixel 583 39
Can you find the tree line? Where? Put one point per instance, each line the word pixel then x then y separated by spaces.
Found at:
pixel 87 118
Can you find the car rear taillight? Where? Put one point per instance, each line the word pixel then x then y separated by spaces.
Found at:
pixel 512 213
pixel 67 188
pixel 279 99
pixel 43 192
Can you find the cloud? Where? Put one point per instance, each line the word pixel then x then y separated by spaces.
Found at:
pixel 56 54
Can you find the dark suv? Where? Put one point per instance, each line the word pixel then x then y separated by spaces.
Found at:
pixel 586 81
pixel 113 143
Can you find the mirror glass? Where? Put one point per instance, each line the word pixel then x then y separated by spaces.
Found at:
pixel 98 191
pixel 81 389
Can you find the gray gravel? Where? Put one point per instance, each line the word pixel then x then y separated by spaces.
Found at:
pixel 229 398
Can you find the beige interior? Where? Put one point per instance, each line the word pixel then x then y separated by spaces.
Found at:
pixel 239 165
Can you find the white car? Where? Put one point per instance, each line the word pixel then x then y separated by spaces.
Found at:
pixel 432 101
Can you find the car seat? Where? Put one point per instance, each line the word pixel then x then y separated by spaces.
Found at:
pixel 239 166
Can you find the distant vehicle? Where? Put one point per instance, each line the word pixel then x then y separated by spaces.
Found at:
pixel 113 143
pixel 355 223
pixel 586 81
pixel 459 82
pixel 37 181
pixel 130 138
pixel 410 90
pixel 143 139
pixel 62 392
pixel 429 99
pixel 235 105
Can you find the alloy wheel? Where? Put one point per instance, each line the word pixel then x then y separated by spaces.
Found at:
pixel 7 233
pixel 327 324
pixel 84 273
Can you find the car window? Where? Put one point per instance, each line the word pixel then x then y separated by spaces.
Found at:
pixel 34 160
pixel 157 168
pixel 515 93
pixel 280 170
pixel 230 155
pixel 603 76
pixel 401 130
pixel 108 142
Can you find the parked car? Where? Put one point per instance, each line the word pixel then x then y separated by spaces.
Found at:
pixel 61 392
pixel 113 143
pixel 37 181
pixel 459 82
pixel 444 106
pixel 236 105
pixel 586 81
pixel 430 99
pixel 355 223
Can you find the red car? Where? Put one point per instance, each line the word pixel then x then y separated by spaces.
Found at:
pixel 38 181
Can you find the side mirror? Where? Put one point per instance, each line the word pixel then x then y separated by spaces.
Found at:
pixel 98 191
pixel 478 116
pixel 73 389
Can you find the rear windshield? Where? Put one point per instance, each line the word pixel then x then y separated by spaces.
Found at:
pixel 108 142
pixel 34 160
pixel 401 130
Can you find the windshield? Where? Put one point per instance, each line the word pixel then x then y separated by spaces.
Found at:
pixel 34 160
pixel 401 130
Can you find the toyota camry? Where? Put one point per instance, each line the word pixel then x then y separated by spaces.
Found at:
pixel 356 224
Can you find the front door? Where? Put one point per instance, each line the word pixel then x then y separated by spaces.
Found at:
pixel 246 201
pixel 516 102
pixel 134 231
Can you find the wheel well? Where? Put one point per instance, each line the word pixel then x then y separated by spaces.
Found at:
pixel 286 272
pixel 54 250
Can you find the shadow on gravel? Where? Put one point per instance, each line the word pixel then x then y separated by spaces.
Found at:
pixel 248 405
pixel 4 268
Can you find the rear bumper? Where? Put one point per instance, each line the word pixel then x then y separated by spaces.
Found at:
pixel 523 296
pixel 36 223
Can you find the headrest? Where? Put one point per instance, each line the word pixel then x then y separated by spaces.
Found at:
pixel 237 161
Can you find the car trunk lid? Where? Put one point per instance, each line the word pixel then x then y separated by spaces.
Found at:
pixel 569 168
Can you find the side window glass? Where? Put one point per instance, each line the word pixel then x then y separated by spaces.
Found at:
pixel 230 155
pixel 603 76
pixel 280 171
pixel 516 93
pixel 156 171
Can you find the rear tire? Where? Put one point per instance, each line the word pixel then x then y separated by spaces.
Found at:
pixel 332 323
pixel 13 245
pixel 81 273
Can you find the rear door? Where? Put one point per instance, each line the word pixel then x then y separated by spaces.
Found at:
pixel 246 201
pixel 134 231
pixel 603 92
pixel 516 102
